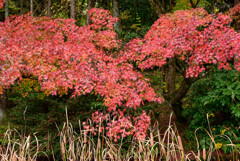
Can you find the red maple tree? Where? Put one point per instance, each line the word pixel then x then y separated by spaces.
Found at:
pixel 189 43
pixel 73 60
pixel 68 59
pixel 64 56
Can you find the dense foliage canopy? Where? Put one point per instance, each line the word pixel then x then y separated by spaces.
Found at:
pixel 67 59
pixel 197 39
pixel 64 56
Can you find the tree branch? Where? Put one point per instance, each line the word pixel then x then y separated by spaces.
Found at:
pixel 156 6
pixel 194 5
pixel 182 90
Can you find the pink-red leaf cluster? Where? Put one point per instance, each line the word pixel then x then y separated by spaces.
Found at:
pixel 68 58
pixel 119 126
pixel 192 36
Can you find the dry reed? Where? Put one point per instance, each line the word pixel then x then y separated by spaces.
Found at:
pixel 85 146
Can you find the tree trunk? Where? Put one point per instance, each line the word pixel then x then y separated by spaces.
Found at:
pixel 3 104
pixel 31 7
pixel 171 75
pixel 21 7
pixel 164 6
pixel 173 96
pixel 156 6
pixel 194 5
pixel 116 13
pixel 91 4
pixel 72 13
pixel 108 4
pixel 170 5
pixel 45 8
pixel 49 8
pixel 178 109
pixel 176 102
pixel 6 8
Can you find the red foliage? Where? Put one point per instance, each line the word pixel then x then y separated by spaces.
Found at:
pixel 234 13
pixel 120 126
pixel 193 36
pixel 1 3
pixel 64 56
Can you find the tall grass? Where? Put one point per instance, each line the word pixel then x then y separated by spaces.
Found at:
pixel 83 145
pixel 18 147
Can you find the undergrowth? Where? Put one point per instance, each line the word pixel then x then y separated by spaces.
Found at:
pixel 83 145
